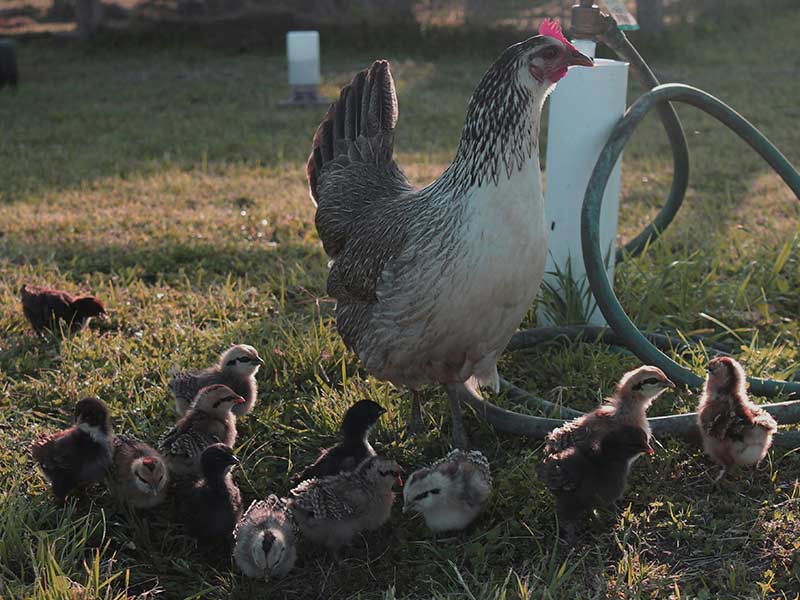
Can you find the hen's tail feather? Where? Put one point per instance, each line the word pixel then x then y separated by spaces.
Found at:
pixel 366 108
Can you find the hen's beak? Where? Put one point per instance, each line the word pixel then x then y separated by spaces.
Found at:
pixel 577 58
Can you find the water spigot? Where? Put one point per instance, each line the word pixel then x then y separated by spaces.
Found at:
pixel 587 20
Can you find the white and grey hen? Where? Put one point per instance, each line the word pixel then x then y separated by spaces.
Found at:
pixel 333 510
pixel 451 492
pixel 265 539
pixel 237 369
pixel 431 283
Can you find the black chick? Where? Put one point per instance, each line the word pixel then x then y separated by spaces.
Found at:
pixel 585 478
pixel 354 447
pixel 45 307
pixel 78 455
pixel 211 506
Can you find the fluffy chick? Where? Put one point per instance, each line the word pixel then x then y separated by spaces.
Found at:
pixel 139 474
pixel 45 307
pixel 354 447
pixel 332 510
pixel 78 455
pixel 210 507
pixel 583 478
pixel 237 369
pixel 451 492
pixel 265 539
pixel 735 431
pixel 628 406
pixel 207 422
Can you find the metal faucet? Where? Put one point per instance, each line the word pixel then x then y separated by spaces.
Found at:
pixel 587 20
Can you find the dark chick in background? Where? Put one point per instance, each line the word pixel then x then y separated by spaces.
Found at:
pixel 79 455
pixel 354 447
pixel 47 309
pixel 735 431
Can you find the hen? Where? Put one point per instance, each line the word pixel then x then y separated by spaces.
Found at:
pixel 431 283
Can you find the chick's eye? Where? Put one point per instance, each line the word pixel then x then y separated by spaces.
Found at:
pixel 549 53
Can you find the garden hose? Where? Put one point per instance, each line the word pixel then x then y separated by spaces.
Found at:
pixel 590 221
pixel 622 331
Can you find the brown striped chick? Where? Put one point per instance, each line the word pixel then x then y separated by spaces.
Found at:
pixel 208 421
pixel 735 431
pixel 265 539
pixel 628 406
pixel 451 492
pixel 79 455
pixel 139 474
pixel 237 369
pixel 333 510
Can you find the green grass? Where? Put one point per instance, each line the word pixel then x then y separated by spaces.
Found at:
pixel 165 180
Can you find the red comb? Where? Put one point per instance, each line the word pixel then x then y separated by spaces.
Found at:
pixel 552 28
pixel 149 460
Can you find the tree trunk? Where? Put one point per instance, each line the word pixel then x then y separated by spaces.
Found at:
pixel 88 14
pixel 650 15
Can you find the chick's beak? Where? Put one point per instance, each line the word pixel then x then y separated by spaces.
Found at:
pixel 579 59
pixel 259 361
pixel 669 384
pixel 239 400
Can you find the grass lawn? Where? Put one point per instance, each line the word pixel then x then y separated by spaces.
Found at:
pixel 164 179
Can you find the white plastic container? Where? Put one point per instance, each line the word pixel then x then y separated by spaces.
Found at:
pixel 584 108
pixel 302 52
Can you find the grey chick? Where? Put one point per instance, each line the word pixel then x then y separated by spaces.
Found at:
pixel 78 455
pixel 139 474
pixel 265 539
pixel 451 492
pixel 210 507
pixel 207 422
pixel 628 406
pixel 333 510
pixel 582 478
pixel 237 369
pixel 735 431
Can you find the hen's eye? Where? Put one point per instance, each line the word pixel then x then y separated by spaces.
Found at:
pixel 549 53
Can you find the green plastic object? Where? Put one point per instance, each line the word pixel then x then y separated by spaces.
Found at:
pixel 601 287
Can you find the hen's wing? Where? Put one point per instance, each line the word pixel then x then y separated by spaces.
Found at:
pixel 351 172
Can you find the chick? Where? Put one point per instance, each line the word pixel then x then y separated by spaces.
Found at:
pixel 583 478
pixel 451 492
pixel 354 447
pixel 139 473
pixel 207 422
pixel 78 455
pixel 628 406
pixel 265 539
pixel 332 510
pixel 237 369
pixel 735 431
pixel 210 507
pixel 45 307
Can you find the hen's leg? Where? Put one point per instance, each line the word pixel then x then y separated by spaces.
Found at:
pixel 415 420
pixel 459 433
